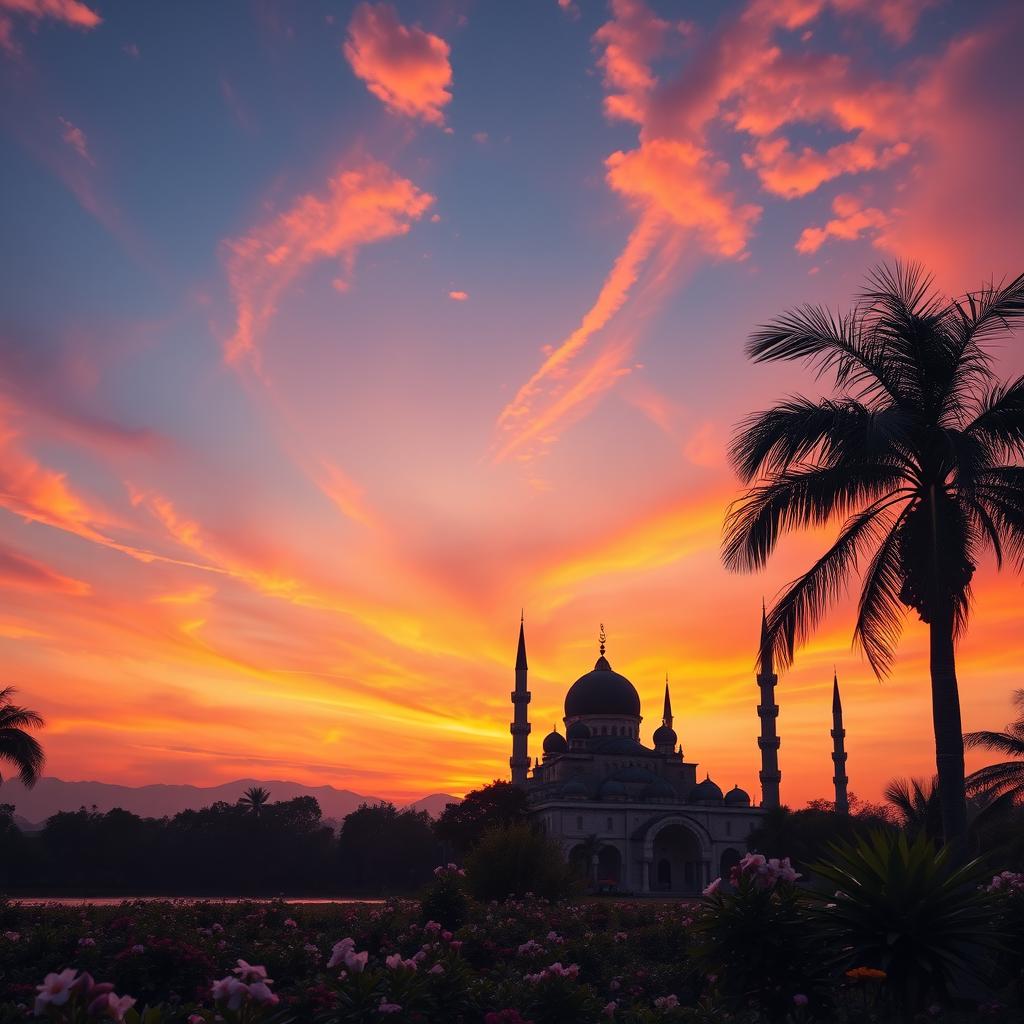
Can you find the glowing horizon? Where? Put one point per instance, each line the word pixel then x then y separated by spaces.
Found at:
pixel 334 336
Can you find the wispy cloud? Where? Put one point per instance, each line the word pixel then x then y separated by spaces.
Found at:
pixel 70 12
pixel 76 139
pixel 852 220
pixel 364 203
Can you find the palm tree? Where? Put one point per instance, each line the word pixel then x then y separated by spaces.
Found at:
pixel 254 798
pixel 917 453
pixel 1007 777
pixel 917 804
pixel 17 747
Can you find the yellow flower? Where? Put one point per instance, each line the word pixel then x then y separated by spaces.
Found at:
pixel 865 972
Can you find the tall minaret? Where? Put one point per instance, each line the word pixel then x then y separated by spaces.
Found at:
pixel 519 762
pixel 839 749
pixel 768 711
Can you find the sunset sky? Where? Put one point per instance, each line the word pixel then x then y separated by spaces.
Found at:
pixel 332 335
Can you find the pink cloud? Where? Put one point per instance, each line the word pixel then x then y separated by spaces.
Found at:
pixel 23 573
pixel 683 181
pixel 629 42
pixel 70 12
pixel 792 175
pixel 852 219
pixel 458 296
pixel 76 139
pixel 362 204
pixel 407 69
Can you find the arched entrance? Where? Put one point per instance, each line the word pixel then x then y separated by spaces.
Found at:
pixel 609 867
pixel 678 861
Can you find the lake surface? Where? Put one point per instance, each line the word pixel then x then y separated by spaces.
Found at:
pixel 113 901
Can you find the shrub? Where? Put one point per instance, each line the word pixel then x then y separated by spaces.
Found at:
pixel 754 941
pixel 516 860
pixel 903 907
pixel 445 899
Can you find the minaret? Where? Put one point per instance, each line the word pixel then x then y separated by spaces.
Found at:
pixel 519 762
pixel 666 714
pixel 768 712
pixel 839 749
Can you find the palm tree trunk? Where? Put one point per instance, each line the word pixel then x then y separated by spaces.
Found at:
pixel 949 739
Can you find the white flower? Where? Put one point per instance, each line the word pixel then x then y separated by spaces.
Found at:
pixel 55 990
pixel 251 972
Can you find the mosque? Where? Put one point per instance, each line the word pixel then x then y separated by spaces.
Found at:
pixel 637 818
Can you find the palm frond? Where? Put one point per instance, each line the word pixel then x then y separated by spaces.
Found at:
pixel 802 605
pixel 799 497
pixel 1000 742
pixel 999 423
pixel 880 611
pixel 24 753
pixel 993 779
pixel 992 310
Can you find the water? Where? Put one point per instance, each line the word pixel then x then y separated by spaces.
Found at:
pixel 114 901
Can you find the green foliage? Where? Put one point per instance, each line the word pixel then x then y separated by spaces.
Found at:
pixel 382 849
pixel 913 911
pixel 515 860
pixel 755 943
pixel 445 899
pixel 463 825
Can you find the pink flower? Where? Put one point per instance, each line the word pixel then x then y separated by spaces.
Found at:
pixel 115 1006
pixel 339 950
pixel 436 969
pixel 666 1002
pixel 800 999
pixel 87 941
pixel 251 972
pixel 12 936
pixel 259 992
pixel 713 887
pixel 609 1008
pixel 230 991
pixel 55 990
pixel 137 948
pixel 290 923
pixel 386 1007
pixel 356 962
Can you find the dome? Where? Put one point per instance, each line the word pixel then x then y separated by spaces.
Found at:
pixel 737 797
pixel 665 736
pixel 613 788
pixel 659 789
pixel 602 692
pixel 575 789
pixel 705 792
pixel 578 731
pixel 554 743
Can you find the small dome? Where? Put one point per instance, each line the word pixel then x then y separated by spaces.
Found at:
pixel 602 692
pixel 575 789
pixel 613 788
pixel 659 789
pixel 705 792
pixel 665 736
pixel 554 743
pixel 737 797
pixel 578 731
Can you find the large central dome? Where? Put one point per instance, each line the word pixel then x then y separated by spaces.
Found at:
pixel 602 692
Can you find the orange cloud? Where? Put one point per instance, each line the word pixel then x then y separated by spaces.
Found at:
pixel 852 219
pixel 516 419
pixel 346 494
pixel 630 41
pixel 407 69
pixel 458 296
pixel 23 573
pixel 792 175
pixel 683 181
pixel 363 204
pixel 70 12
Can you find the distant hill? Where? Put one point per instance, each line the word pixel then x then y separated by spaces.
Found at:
pixel 51 795
pixel 435 803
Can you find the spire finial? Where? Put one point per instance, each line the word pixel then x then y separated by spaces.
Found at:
pixel 666 715
pixel 602 637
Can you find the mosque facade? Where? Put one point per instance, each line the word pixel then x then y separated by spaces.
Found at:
pixel 635 818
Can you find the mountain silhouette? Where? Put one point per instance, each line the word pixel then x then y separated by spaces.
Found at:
pixel 51 795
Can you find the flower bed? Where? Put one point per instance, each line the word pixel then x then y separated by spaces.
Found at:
pixel 505 963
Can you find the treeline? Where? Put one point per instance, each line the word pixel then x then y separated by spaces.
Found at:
pixel 241 849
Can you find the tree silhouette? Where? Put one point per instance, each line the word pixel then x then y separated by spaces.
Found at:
pixel 17 747
pixel 917 453
pixel 254 799
pixel 1007 777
